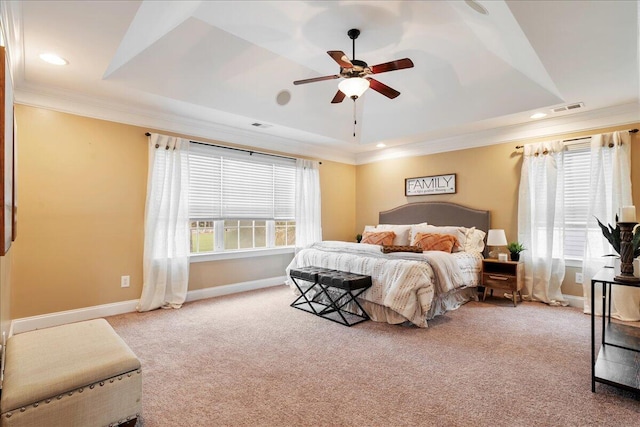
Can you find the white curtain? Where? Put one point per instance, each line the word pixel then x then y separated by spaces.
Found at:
pixel 166 228
pixel 541 221
pixel 609 189
pixel 308 208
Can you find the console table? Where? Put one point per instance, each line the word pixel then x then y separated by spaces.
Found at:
pixel 618 361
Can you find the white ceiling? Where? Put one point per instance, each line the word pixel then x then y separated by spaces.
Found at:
pixel 212 68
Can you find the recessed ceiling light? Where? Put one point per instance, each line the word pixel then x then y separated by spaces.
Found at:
pixel 538 115
pixel 54 59
pixel 477 7
pixel 381 145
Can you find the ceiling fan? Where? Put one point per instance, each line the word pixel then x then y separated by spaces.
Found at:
pixel 355 73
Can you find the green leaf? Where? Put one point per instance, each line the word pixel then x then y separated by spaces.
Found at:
pixel 611 234
pixel 616 239
pixel 636 242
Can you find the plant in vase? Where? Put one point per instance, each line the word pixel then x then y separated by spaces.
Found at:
pixel 515 248
pixel 612 234
pixel 358 238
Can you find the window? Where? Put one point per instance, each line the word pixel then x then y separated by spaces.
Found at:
pixel 240 200
pixel 577 176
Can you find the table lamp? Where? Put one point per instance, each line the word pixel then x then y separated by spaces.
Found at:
pixel 495 239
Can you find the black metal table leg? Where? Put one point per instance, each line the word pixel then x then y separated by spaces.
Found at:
pixel 593 338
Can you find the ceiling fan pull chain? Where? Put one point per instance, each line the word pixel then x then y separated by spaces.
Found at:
pixel 354 118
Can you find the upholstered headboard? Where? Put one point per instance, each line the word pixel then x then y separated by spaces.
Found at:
pixel 437 213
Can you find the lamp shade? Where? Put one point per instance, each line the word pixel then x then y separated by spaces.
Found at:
pixel 353 87
pixel 496 238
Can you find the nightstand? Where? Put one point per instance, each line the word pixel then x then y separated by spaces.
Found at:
pixel 506 275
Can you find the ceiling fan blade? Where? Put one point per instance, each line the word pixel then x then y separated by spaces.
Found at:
pixel 398 64
pixel 338 98
pixel 316 79
pixel 340 58
pixel 383 88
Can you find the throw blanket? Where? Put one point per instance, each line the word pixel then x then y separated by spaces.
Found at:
pixel 407 284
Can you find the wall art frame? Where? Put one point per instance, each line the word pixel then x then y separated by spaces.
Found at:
pixel 430 185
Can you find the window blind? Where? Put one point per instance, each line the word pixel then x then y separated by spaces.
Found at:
pixel 227 184
pixel 577 159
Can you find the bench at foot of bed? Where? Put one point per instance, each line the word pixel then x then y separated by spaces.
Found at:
pixel 333 291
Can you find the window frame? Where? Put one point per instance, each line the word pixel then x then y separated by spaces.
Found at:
pixel 217 186
pixel 578 147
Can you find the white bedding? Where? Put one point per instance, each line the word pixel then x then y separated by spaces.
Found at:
pixel 407 287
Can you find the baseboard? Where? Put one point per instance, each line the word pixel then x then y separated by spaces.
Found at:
pixel 217 291
pixel 26 324
pixel 574 301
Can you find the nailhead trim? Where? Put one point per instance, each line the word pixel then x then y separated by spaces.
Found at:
pixel 80 390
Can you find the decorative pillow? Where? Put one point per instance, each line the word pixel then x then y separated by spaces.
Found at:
pixel 459 233
pixel 378 238
pixel 403 233
pixel 388 249
pixel 435 242
pixel 475 240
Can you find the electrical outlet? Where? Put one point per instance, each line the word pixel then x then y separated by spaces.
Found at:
pixel 124 281
pixel 578 277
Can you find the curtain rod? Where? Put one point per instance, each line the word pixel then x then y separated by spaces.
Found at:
pixel 576 139
pixel 251 152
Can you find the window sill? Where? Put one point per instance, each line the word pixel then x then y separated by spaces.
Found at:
pixel 577 263
pixel 249 253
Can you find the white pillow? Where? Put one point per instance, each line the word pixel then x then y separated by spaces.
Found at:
pixel 403 233
pixel 475 240
pixel 460 233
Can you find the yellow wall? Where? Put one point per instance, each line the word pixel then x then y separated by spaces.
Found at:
pixel 81 185
pixel 486 178
pixel 82 188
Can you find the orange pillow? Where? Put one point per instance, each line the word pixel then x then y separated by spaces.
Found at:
pixel 435 242
pixel 378 237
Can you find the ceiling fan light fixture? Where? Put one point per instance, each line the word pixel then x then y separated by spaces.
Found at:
pixel 353 87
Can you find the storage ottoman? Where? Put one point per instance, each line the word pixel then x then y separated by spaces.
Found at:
pixel 79 374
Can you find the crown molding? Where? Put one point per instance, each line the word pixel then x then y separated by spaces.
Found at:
pixel 11 19
pixel 152 119
pixel 196 128
pixel 578 122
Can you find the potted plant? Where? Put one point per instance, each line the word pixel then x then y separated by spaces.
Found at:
pixel 358 238
pixel 613 236
pixel 515 248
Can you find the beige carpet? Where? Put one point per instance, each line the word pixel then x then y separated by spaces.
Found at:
pixel 251 360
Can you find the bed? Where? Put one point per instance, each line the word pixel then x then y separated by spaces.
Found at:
pixel 410 287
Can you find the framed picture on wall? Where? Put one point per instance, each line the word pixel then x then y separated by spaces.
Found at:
pixel 6 155
pixel 435 184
